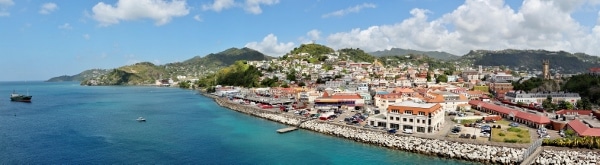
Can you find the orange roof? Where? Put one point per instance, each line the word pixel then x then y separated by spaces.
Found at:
pixel 352 96
pixel 462 97
pixel 403 90
pixel 582 129
pixel 580 112
pixel 437 99
pixel 416 110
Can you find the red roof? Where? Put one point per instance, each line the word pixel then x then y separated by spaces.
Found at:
pixel 582 129
pixel 594 69
pixel 508 111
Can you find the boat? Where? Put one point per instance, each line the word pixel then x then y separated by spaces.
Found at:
pixel 140 119
pixel 19 97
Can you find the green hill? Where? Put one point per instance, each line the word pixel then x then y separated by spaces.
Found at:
pixel 403 52
pixel 531 60
pixel 81 76
pixel 148 73
pixel 356 55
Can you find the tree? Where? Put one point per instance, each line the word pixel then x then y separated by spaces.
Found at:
pixel 441 78
pixel 584 103
pixel 320 81
pixel 565 105
pixel 428 77
pixel 547 104
pixel 291 75
pixel 302 84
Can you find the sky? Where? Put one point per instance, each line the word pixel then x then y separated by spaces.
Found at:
pixel 40 39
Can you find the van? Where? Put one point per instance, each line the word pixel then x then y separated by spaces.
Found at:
pixel 407 131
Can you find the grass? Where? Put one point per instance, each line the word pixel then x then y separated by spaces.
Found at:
pixel 504 135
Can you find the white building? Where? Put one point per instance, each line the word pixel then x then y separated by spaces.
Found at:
pixel 528 98
pixel 415 116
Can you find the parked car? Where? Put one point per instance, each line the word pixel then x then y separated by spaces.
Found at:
pixel 513 124
pixel 392 131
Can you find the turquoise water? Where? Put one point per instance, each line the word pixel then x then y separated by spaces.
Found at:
pixel 68 123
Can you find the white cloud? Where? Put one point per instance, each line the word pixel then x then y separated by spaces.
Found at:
pixel 251 6
pixel 270 46
pixel 48 8
pixel 311 36
pixel 160 11
pixel 219 5
pixel 481 24
pixel 354 9
pixel 4 5
pixel 65 26
pixel 198 18
pixel 86 36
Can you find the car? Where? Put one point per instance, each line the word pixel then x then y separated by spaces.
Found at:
pixel 513 124
pixel 392 131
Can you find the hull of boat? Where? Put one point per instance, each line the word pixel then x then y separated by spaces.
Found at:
pixel 21 98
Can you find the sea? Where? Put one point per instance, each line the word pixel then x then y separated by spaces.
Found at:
pixel 71 124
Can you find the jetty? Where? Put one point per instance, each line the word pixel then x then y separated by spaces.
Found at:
pixel 288 129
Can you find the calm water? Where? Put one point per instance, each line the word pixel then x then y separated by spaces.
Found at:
pixel 68 123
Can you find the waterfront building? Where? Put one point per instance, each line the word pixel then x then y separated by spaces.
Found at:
pixel 581 129
pixel 538 98
pixel 338 100
pixel 526 118
pixel 416 116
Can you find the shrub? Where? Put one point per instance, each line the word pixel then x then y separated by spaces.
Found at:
pixel 501 134
pixel 511 140
pixel 514 129
pixel 520 136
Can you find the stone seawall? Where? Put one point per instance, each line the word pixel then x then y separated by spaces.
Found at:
pixel 442 148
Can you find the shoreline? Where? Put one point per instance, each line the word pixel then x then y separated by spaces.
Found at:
pixel 444 148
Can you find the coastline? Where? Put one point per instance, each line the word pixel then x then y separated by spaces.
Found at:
pixel 483 153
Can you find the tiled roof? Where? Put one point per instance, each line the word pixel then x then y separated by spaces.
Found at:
pixel 582 129
pixel 518 114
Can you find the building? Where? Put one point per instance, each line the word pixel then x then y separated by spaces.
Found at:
pixel 581 129
pixel 339 100
pixel 526 118
pixel 594 71
pixel 415 116
pixel 499 89
pixel 538 98
pixel 546 69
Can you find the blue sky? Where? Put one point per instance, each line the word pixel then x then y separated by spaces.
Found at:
pixel 43 39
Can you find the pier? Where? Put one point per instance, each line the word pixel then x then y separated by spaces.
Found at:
pixel 288 129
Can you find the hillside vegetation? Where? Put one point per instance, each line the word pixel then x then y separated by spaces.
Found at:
pixel 148 73
pixel 531 60
pixel 402 52
pixel 92 73
pixel 136 74
pixel 356 55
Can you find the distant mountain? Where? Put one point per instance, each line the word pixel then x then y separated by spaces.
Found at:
pixel 560 61
pixel 148 73
pixel 403 52
pixel 227 57
pixel 81 76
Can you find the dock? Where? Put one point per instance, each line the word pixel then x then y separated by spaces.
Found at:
pixel 288 129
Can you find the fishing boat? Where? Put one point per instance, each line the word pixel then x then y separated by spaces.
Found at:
pixel 19 97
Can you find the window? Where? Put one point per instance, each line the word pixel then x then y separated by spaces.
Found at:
pixel 410 120
pixel 408 112
pixel 404 119
pixel 397 118
pixel 391 118
pixel 421 113
pixel 418 121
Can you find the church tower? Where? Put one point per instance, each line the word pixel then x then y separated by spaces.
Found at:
pixel 546 69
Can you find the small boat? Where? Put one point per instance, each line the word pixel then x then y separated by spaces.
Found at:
pixel 140 119
pixel 19 97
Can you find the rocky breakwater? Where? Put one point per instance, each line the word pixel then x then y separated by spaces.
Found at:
pixel 258 112
pixel 441 148
pixel 567 157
